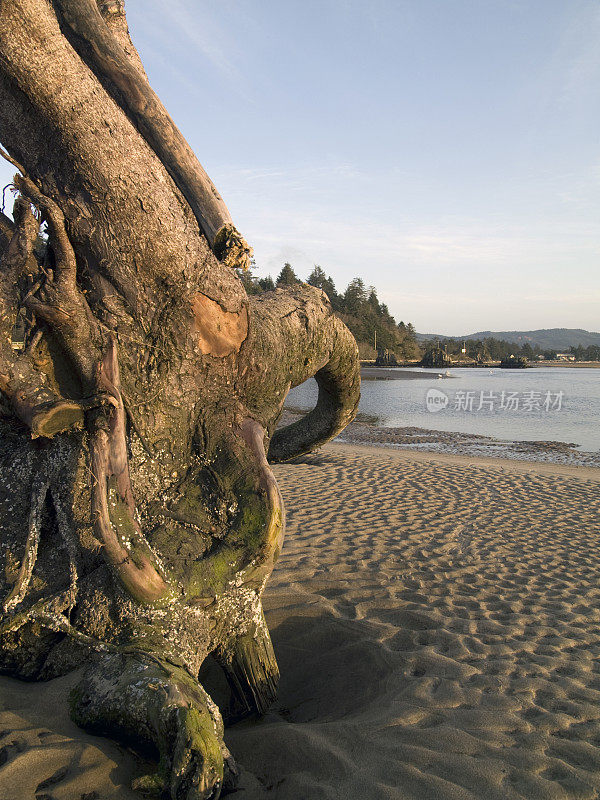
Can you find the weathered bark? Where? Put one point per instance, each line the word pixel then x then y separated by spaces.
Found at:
pixel 144 520
pixel 124 81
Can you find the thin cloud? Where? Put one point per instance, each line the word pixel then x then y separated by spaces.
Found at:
pixel 290 177
pixel 467 243
pixel 198 30
pixel 572 71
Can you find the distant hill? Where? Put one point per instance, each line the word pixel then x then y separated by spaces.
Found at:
pixel 548 338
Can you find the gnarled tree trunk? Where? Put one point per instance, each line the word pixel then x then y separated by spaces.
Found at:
pixel 140 518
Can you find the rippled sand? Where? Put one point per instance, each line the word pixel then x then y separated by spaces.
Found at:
pixel 437 623
pixel 437 626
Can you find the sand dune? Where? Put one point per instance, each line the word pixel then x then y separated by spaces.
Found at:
pixel 437 624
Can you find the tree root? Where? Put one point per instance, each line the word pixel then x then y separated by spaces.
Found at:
pixel 60 303
pixel 42 486
pixel 113 509
pixel 28 388
pixel 22 380
pixel 151 701
pixel 38 497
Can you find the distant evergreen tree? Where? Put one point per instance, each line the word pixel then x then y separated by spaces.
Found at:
pixel 590 353
pixel 266 284
pixel 355 295
pixel 250 282
pixel 287 276
pixel 373 301
pixel 385 314
pixel 318 278
pixel 527 350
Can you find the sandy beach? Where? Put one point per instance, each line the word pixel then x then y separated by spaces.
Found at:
pixel 437 624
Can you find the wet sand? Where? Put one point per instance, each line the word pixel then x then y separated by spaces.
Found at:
pixel 385 374
pixel 365 430
pixel 437 623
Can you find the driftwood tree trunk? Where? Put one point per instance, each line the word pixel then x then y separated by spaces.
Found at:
pixel 140 518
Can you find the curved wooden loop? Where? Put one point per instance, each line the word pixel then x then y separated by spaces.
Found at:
pixel 337 404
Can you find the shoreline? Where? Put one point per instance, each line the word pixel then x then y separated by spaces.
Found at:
pixel 407 455
pixel 493 365
pixel 365 431
pixel 397 374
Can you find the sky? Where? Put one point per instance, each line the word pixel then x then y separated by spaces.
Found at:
pixel 446 151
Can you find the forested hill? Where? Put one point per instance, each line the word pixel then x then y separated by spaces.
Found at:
pixel 561 339
pixel 358 306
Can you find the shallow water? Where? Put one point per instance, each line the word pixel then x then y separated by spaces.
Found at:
pixel 539 404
